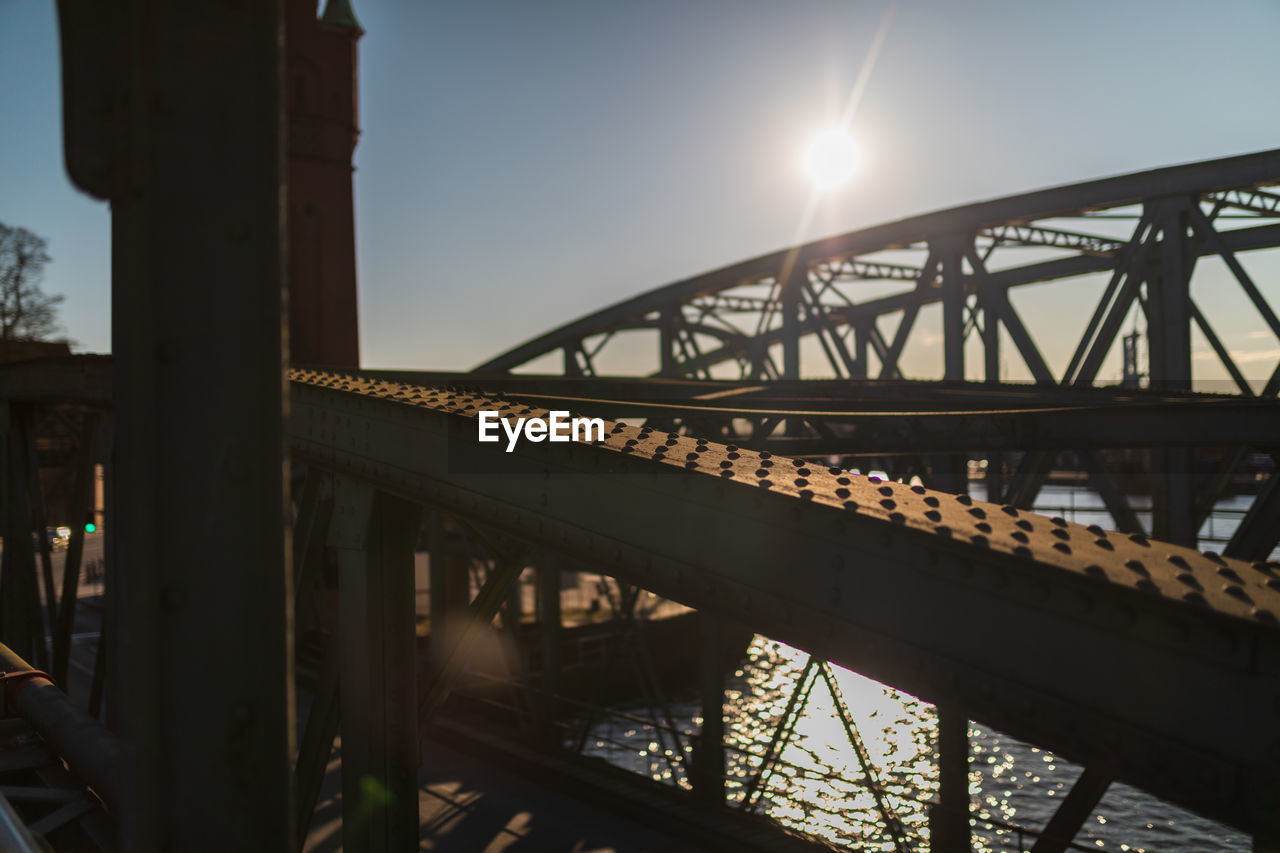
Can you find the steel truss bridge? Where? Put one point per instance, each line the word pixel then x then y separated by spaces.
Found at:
pixel 723 483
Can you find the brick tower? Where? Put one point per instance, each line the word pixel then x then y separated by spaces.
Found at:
pixel 320 94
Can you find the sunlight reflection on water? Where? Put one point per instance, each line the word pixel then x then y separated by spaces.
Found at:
pixel 819 787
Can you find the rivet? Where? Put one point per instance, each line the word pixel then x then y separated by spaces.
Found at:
pixel 1237 592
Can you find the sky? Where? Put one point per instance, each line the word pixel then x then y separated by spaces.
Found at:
pixel 524 163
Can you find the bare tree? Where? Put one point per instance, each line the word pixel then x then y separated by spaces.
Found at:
pixel 27 313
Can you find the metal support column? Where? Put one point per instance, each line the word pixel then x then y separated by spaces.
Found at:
pixel 450 586
pixel 173 112
pixel 791 282
pixel 668 327
pixel 861 347
pixel 990 344
pixel 708 752
pixel 549 579
pixel 1169 331
pixel 953 302
pixel 949 818
pixel 374 535
pixel 20 617
pixel 995 477
pixel 1172 498
pixel 1169 301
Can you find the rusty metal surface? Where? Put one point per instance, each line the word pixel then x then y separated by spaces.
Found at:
pixel 1103 647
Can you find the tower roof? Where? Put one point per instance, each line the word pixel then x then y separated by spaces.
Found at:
pixel 339 13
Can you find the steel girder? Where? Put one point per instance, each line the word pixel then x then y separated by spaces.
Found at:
pixel 1153 661
pixel 851 420
pixel 752 315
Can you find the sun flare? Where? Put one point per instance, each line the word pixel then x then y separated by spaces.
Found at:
pixel 830 159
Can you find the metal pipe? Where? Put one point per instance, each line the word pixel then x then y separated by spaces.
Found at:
pixel 90 750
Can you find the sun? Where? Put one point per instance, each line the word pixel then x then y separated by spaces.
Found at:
pixel 830 159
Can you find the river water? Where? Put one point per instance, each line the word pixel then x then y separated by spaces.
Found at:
pixel 820 785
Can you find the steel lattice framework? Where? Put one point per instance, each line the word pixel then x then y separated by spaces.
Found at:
pixel 850 306
pixel 1145 231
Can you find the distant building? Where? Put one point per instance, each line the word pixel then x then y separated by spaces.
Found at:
pixel 28 350
pixel 320 97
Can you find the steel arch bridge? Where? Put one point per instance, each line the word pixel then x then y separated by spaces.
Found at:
pixel 1167 245
pixel 855 300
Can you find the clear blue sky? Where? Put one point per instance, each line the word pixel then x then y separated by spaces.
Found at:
pixel 523 162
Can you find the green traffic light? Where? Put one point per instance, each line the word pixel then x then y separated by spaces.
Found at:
pixel 89 527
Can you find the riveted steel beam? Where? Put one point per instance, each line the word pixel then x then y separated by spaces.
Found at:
pixel 1128 648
